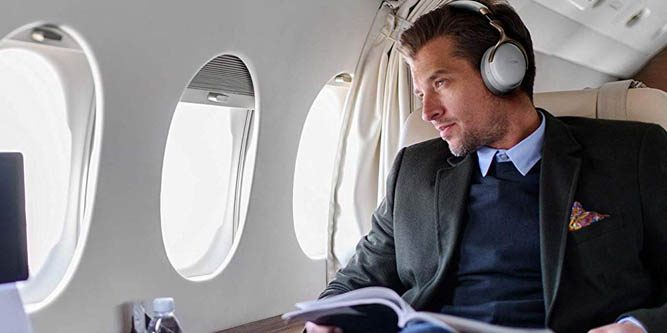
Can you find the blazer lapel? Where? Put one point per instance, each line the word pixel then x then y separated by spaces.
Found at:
pixel 452 184
pixel 453 187
pixel 558 183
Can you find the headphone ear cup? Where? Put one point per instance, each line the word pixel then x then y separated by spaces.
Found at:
pixel 506 71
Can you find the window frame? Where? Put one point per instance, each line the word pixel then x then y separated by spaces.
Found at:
pixel 76 70
pixel 243 157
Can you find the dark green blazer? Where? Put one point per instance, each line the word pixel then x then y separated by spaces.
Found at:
pixel 591 277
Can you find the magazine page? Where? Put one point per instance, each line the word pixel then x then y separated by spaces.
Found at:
pixel 379 309
pixel 359 294
pixel 372 309
pixel 313 311
pixel 463 325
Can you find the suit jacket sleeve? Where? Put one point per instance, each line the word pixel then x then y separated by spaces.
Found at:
pixel 653 191
pixel 374 262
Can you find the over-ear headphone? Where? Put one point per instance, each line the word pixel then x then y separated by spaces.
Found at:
pixel 503 65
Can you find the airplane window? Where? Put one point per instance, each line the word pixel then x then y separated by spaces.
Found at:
pixel 314 166
pixel 205 172
pixel 52 126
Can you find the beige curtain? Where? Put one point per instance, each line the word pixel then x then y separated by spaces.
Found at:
pixel 379 101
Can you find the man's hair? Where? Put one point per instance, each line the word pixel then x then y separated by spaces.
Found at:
pixel 472 34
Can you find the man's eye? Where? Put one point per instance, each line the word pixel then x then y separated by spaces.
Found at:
pixel 438 83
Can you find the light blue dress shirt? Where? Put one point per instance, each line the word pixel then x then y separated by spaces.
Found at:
pixel 524 155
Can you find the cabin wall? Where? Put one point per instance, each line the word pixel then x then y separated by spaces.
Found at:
pixel 146 54
pixel 556 74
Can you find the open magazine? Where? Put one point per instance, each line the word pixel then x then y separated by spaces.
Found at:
pixel 379 309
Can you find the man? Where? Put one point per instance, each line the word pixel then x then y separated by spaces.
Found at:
pixel 515 217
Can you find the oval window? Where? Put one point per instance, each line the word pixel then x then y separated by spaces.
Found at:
pixel 315 163
pixel 47 112
pixel 206 172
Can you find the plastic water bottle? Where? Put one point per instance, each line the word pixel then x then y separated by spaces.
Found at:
pixel 163 320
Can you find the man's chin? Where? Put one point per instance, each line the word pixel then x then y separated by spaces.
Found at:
pixel 448 138
pixel 458 153
pixel 455 148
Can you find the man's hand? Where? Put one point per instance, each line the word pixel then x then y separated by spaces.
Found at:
pixel 625 327
pixel 314 328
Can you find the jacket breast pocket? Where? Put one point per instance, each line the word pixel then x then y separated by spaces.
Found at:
pixel 613 223
pixel 601 249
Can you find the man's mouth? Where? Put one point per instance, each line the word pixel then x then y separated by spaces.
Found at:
pixel 444 129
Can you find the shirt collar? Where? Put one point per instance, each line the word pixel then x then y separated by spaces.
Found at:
pixel 524 155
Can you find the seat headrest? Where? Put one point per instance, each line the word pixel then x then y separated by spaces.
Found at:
pixel 641 104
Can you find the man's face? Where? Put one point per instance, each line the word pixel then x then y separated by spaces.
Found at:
pixel 455 99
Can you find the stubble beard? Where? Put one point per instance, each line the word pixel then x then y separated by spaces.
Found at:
pixel 481 136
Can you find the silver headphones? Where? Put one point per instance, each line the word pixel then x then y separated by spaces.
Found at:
pixel 503 65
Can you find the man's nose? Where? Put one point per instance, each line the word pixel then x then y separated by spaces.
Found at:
pixel 431 108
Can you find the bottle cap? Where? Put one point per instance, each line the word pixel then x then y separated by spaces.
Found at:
pixel 163 305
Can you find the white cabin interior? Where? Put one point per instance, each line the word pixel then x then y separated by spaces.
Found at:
pixel 123 68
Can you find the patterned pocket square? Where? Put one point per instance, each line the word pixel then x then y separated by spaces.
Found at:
pixel 580 218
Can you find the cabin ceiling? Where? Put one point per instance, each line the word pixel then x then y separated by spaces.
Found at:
pixel 615 37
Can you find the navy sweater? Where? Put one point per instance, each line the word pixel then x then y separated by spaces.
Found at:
pixel 498 276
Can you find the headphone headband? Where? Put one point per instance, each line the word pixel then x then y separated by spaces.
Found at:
pixel 498 79
pixel 482 9
pixel 469 5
